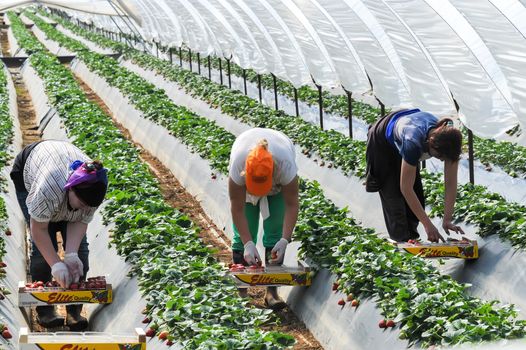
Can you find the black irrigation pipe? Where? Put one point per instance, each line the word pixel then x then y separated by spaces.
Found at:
pixel 199 63
pixel 471 157
pixel 296 105
pixel 229 73
pixel 209 68
pixel 220 71
pixel 349 109
pixel 245 81
pixel 190 58
pixel 180 57
pixel 320 104
pixel 170 55
pixel 259 87
pixel 275 90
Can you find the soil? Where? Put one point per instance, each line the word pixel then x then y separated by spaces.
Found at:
pixel 177 196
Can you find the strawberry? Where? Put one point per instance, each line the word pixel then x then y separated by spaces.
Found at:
pixel 355 302
pixel 40 283
pixel 150 332
pixel 169 343
pixel 214 176
pixel 335 286
pixel 6 334
pixel 3 264
pixel 350 297
pixel 146 320
pixel 390 323
pixel 8 232
pixel 73 286
pixel 2 297
pixel 341 302
pixel 163 335
pixel 382 324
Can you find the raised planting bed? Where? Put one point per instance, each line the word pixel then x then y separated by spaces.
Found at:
pixel 12 227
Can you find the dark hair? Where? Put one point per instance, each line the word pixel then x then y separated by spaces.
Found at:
pixel 92 193
pixel 446 140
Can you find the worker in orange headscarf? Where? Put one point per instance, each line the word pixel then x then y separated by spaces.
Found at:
pixel 263 181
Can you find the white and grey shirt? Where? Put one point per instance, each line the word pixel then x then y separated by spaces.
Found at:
pixel 45 174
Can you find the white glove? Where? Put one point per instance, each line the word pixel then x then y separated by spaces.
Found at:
pixel 278 252
pixel 75 266
pixel 61 274
pixel 251 254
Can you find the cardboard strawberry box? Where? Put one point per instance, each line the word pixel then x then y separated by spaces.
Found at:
pixel 84 340
pixel 463 249
pixel 94 290
pixel 246 276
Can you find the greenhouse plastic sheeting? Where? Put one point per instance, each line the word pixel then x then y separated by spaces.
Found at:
pixel 419 53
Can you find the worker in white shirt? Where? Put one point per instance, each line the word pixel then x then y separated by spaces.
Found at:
pixel 263 181
pixel 58 189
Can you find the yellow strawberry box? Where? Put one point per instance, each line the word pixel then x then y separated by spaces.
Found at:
pixel 28 296
pixel 465 249
pixel 81 341
pixel 271 275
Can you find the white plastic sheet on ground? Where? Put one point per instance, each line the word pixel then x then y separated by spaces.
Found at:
pixel 14 258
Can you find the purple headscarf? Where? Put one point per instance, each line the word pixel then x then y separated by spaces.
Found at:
pixel 85 173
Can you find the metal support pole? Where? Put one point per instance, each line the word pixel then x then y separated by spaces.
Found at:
pixel 156 49
pixel 296 104
pixel 274 81
pixel 180 56
pixel 220 71
pixel 198 63
pixel 320 105
pixel 209 69
pixel 245 81
pixel 170 55
pixel 259 88
pixel 382 109
pixel 471 157
pixel 349 109
pixel 228 72
pixel 190 58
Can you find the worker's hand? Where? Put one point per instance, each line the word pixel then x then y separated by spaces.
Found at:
pixel 61 274
pixel 448 225
pixel 251 254
pixel 432 233
pixel 75 266
pixel 278 252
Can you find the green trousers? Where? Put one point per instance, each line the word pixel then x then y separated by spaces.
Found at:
pixel 272 226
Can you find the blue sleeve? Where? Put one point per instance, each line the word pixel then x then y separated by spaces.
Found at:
pixel 411 151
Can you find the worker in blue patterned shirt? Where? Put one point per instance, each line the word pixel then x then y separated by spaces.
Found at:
pixel 396 145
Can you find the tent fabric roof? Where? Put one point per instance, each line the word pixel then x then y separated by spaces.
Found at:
pixel 415 53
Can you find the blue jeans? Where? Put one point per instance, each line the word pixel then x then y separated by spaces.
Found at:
pixel 38 267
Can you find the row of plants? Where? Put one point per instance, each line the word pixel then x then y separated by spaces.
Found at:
pixel 430 308
pixel 186 290
pixel 489 211
pixel 6 138
pixel 510 156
